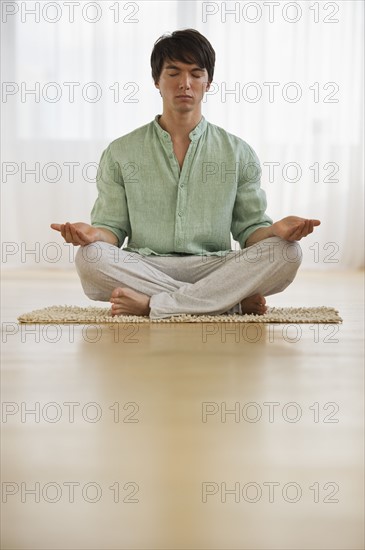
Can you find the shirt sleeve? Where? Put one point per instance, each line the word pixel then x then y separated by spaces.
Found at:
pixel 110 210
pixel 250 204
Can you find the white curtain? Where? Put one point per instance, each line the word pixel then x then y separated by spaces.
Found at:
pixel 288 80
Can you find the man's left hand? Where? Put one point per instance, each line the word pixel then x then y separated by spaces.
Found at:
pixel 293 228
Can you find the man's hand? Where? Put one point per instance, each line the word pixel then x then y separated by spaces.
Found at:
pixel 293 228
pixel 77 233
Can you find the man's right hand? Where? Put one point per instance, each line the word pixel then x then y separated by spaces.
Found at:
pixel 77 233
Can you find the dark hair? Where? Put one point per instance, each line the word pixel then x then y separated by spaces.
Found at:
pixel 187 46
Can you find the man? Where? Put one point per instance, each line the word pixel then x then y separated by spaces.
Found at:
pixel 177 187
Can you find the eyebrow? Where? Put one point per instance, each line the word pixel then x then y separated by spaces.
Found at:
pixel 178 68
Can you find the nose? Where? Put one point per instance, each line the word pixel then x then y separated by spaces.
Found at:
pixel 184 83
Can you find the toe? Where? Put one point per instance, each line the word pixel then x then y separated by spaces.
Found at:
pixel 116 293
pixel 260 299
pixel 115 310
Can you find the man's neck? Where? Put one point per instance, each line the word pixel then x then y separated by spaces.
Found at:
pixel 179 125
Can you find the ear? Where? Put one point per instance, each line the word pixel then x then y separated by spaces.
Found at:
pixel 207 86
pixel 158 88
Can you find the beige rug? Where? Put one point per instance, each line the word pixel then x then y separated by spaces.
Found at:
pixel 74 314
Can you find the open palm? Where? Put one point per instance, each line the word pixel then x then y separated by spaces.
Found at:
pixel 78 233
pixel 294 228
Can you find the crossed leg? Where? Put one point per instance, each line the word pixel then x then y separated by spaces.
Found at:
pixel 162 286
pixel 126 301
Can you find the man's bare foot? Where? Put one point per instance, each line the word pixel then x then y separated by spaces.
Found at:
pixel 254 304
pixel 126 301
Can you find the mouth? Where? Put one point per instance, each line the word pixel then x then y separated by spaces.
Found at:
pixel 184 97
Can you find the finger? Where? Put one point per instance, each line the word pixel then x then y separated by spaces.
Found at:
pixel 295 234
pixel 56 226
pixel 74 237
pixel 82 238
pixel 66 232
pixel 299 234
pixel 309 227
pixel 63 231
pixel 68 235
pixel 305 229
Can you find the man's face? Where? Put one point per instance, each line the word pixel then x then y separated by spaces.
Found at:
pixel 182 85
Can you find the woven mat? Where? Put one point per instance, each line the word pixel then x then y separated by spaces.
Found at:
pixel 88 315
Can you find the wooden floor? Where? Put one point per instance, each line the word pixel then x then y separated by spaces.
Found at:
pixel 182 436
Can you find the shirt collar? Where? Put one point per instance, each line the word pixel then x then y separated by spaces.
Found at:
pixel 193 135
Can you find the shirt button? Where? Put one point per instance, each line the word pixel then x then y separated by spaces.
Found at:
pixel 181 186
pixel 180 214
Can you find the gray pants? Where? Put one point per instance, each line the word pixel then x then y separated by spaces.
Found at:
pixel 190 284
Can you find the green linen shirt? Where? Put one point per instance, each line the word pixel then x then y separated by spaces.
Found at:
pixel 143 194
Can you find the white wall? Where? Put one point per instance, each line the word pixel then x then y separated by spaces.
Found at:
pixel 319 57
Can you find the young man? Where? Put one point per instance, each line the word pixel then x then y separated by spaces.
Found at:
pixel 177 187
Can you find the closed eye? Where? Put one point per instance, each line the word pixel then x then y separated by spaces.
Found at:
pixel 193 74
